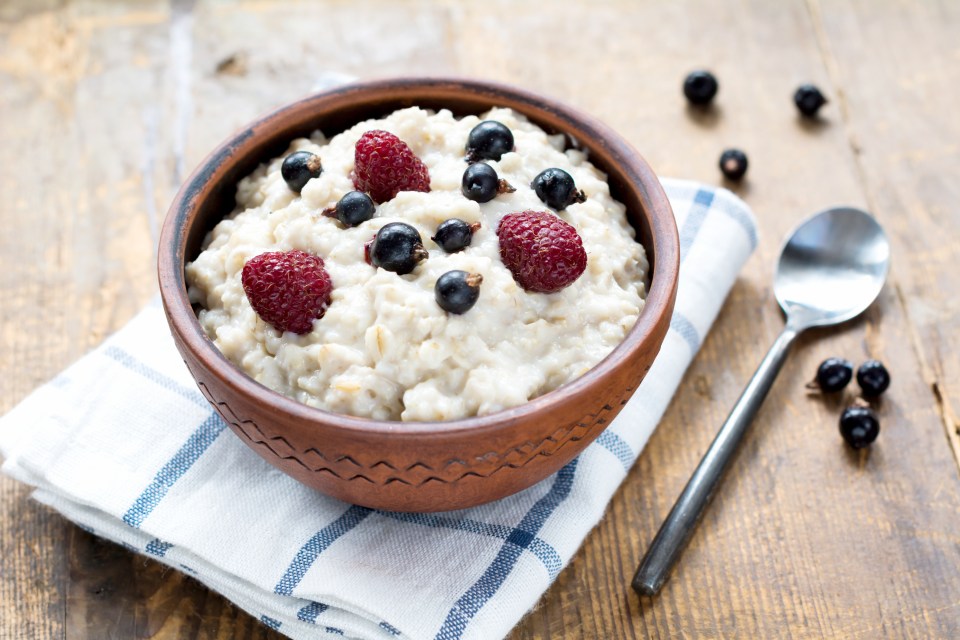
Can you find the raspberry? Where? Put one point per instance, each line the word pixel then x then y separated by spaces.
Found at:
pixel 544 253
pixel 288 289
pixel 385 166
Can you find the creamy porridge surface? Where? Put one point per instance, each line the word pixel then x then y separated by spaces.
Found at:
pixel 385 349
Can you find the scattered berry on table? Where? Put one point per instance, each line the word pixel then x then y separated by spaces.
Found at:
pixel 833 375
pixel 733 164
pixel 397 247
pixel 808 100
pixel 873 378
pixel 385 166
pixel 457 291
pixel 489 140
pixel 555 187
pixel 859 426
pixel 544 253
pixel 352 209
pixel 455 234
pixel 288 289
pixel 482 184
pixel 700 87
pixel 299 167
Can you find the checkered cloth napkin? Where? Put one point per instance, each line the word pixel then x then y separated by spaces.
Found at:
pixel 123 444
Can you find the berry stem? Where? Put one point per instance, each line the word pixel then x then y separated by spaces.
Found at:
pixel 474 280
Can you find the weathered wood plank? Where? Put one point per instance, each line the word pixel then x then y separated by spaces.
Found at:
pixel 113 593
pixel 75 256
pixel 903 128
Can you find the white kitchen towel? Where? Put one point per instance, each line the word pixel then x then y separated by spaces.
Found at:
pixel 123 444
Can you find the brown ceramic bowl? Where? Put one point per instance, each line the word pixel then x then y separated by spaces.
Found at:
pixel 418 466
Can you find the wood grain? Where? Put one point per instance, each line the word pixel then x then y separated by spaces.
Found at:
pixel 803 540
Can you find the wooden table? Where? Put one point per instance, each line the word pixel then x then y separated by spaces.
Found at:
pixel 104 107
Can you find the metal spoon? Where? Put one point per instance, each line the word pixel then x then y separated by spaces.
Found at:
pixel 831 269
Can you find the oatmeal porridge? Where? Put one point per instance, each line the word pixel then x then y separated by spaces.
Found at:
pixel 420 344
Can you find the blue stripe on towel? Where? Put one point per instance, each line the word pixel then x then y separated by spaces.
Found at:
pixel 334 631
pixel 124 358
pixel 696 216
pixel 618 447
pixel 686 330
pixel 158 548
pixel 483 589
pixel 542 550
pixel 316 545
pixel 270 622
pixel 310 612
pixel 198 442
pixel 390 629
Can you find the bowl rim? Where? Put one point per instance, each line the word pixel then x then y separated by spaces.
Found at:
pixel 183 321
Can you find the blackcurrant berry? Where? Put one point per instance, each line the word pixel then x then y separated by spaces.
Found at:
pixel 733 164
pixel 397 247
pixel 457 291
pixel 482 184
pixel 455 234
pixel 834 374
pixel 489 140
pixel 555 187
pixel 352 209
pixel 859 426
pixel 808 100
pixel 873 378
pixel 299 167
pixel 700 87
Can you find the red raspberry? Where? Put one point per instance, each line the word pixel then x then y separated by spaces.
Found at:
pixel 544 253
pixel 385 166
pixel 288 289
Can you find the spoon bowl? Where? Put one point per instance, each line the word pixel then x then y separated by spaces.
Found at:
pixel 831 268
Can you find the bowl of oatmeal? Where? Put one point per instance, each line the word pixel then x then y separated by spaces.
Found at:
pixel 420 294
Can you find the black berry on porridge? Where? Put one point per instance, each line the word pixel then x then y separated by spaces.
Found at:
pixel 455 234
pixel 353 208
pixel 457 291
pixel 397 247
pixel 555 187
pixel 489 140
pixel 482 184
pixel 298 168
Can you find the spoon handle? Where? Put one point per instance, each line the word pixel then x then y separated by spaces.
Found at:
pixel 676 530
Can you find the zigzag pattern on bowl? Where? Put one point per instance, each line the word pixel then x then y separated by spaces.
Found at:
pixel 385 472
